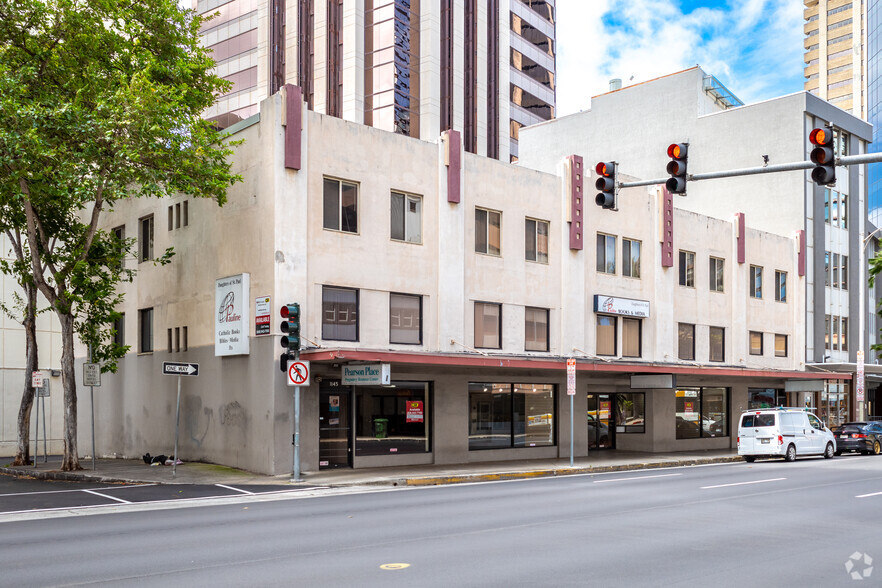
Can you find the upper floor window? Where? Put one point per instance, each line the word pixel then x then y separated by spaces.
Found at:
pixel 488 325
pixel 145 330
pixel 687 269
pixel 339 314
pixel 715 270
pixel 756 343
pixel 716 344
pixel 536 240
pixel 780 286
pixel 340 206
pixel 405 319
pixel 145 231
pixel 780 345
pixel 632 340
pixel 119 330
pixel 686 341
pixel 406 221
pixel 606 335
pixel 536 329
pixel 488 231
pixel 756 281
pixel 606 254
pixel 630 258
pixel 178 215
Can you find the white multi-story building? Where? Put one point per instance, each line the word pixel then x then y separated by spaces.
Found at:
pixel 414 68
pixel 441 294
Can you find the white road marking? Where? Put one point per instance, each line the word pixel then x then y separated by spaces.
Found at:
pixel 74 490
pixel 236 489
pixel 868 495
pixel 743 483
pixel 106 496
pixel 635 478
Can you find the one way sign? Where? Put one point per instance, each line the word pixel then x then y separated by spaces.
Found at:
pixel 170 368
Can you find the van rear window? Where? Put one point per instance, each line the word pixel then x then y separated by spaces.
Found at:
pixel 758 420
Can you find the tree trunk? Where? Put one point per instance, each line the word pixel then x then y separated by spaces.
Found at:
pixel 23 453
pixel 71 459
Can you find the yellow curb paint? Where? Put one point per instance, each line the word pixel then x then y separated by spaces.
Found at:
pixel 394 566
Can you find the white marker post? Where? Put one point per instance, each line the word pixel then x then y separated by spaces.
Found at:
pixel 571 392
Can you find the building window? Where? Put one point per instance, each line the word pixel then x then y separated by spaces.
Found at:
pixel 510 415
pixel 836 283
pixel 339 314
pixel 765 398
pixel 536 240
pixel 185 344
pixel 119 330
pixel 630 258
pixel 170 348
pixel 145 330
pixel 780 286
pixel 488 231
pixel 756 281
pixel 780 345
pixel 145 231
pixel 536 329
pixel 826 268
pixel 715 270
pixel 392 419
pixel 340 206
pixel 606 254
pixel 843 339
pixel 835 341
pixel 630 412
pixel 488 325
pixel 632 343
pixel 687 269
pixel 686 341
pixel 702 412
pixel 716 344
pixel 756 343
pixel 843 272
pixel 406 222
pixel 606 335
pixel 827 205
pixel 827 332
pixel 405 319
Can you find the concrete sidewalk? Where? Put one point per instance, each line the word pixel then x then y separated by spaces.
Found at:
pixel 136 471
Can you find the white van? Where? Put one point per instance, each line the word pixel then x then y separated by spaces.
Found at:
pixel 783 432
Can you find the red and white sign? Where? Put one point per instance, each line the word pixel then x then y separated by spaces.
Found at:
pixel 571 376
pixel 37 379
pixel 298 373
pixel 262 325
pixel 414 411
pixel 687 406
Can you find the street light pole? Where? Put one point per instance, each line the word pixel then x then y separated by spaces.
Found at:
pixel 860 397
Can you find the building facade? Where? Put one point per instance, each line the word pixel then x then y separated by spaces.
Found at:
pixel 441 294
pixel 412 67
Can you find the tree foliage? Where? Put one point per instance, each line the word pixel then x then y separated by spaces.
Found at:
pixel 100 100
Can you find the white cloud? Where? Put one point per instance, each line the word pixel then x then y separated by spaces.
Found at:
pixel 752 46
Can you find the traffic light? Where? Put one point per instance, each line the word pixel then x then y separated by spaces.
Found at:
pixel 291 341
pixel 676 184
pixel 606 183
pixel 824 173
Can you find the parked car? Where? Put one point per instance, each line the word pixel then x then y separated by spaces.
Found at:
pixel 865 437
pixel 783 432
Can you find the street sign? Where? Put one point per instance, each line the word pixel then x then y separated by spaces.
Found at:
pixel 571 376
pixel 37 379
pixel 859 392
pixel 170 368
pixel 91 374
pixel 298 373
pixel 43 391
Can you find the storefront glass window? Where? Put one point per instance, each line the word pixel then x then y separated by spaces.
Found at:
pixel 702 412
pixel 392 419
pixel 765 398
pixel 630 412
pixel 510 415
pixel 834 409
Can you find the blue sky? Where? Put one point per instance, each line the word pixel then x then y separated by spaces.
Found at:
pixel 755 47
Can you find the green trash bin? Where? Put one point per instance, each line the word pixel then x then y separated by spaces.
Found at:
pixel 380 428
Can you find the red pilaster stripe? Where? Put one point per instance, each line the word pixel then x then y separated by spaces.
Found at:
pixel 800 256
pixel 667 236
pixel 293 125
pixel 454 166
pixel 577 225
pixel 739 218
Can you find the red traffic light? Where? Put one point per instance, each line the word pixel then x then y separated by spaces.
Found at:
pixel 677 150
pixel 821 137
pixel 284 311
pixel 605 169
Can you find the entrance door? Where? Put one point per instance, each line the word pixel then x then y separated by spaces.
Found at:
pixel 601 427
pixel 335 433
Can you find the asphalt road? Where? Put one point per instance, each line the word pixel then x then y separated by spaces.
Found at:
pixel 746 525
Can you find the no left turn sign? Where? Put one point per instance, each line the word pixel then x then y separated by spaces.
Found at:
pixel 298 373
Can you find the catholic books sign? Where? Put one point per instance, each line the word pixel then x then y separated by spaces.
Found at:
pixel 232 304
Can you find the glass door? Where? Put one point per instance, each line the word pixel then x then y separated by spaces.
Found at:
pixel 335 434
pixel 601 431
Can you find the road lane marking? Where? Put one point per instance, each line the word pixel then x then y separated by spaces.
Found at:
pixel 74 490
pixel 868 495
pixel 108 496
pixel 394 566
pixel 743 483
pixel 235 489
pixel 635 478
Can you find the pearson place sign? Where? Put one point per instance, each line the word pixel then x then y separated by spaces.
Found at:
pixel 369 374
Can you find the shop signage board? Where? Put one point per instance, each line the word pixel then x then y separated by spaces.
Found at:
pixel 571 376
pixel 231 323
pixel 262 325
pixel 414 411
pixel 621 306
pixel 370 374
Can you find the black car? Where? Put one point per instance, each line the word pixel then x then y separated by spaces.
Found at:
pixel 865 437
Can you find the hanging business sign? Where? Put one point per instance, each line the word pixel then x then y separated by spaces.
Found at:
pixel 231 310
pixel 371 374
pixel 262 312
pixel 621 306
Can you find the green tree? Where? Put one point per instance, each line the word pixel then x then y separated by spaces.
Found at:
pixel 100 100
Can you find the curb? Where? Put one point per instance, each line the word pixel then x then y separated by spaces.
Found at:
pixel 67 476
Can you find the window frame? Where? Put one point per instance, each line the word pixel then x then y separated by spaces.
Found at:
pixel 487 212
pixel 680 332
pixel 145 250
pixel 119 328
pixel 146 340
pixel 535 239
pixel 419 318
pixel 615 332
pixel 779 337
pixel 339 218
pixel 780 286
pixel 701 399
pixel 686 277
pixel 714 272
pixel 326 333
pixel 485 304
pixel 755 285
pixel 406 198
pixel 628 264
pixel 710 354
pixel 602 265
pixel 750 340
pixel 547 312
pixel 511 389
pixel 639 322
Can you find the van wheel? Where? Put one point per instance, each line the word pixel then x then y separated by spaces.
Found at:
pixel 877 448
pixel 749 458
pixel 828 451
pixel 791 453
